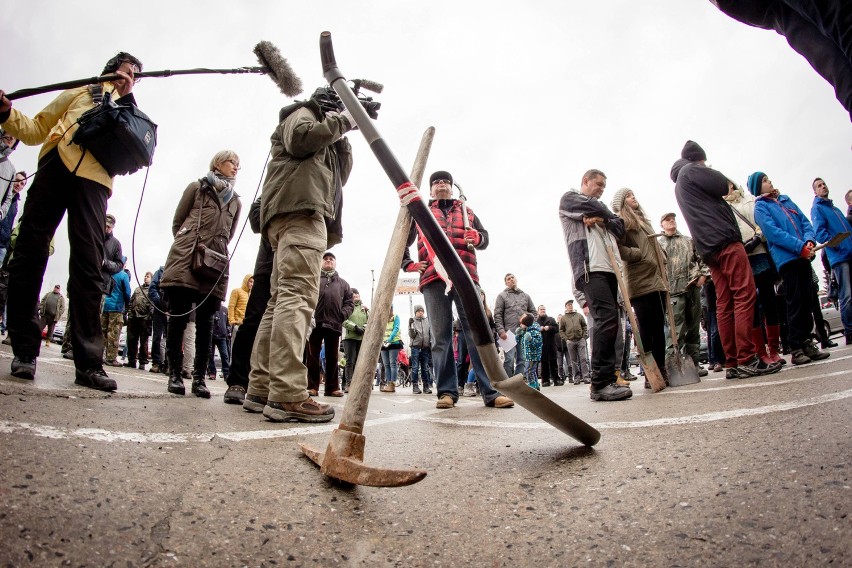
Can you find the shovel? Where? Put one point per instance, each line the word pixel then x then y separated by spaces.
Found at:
pixel 834 241
pixel 652 371
pixel 680 368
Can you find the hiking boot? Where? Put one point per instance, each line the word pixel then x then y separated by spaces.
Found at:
pixel 24 367
pixel 559 382
pixel 307 410
pixel 176 384
pixel 702 372
pixel 131 364
pixel 621 381
pixel 446 401
pixel 68 355
pixel 813 352
pixel 799 358
pixel 416 389
pixel 427 390
pixel 155 368
pixel 545 383
pixel 388 387
pixel 468 390
pixel 7 341
pixel 199 388
pixel 113 363
pixel 827 343
pixel 254 403
pixel 756 366
pixel 95 379
pixel 611 392
pixel 235 394
pixel 718 368
pixel 501 402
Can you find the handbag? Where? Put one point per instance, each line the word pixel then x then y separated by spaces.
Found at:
pixel 121 137
pixel 207 264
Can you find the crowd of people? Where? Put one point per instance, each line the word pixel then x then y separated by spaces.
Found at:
pixel 745 274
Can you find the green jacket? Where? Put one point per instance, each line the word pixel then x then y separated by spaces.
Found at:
pixel 573 327
pixel 684 266
pixel 310 164
pixel 359 316
pixel 642 269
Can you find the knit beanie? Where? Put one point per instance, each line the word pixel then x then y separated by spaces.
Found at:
pixel 440 174
pixel 527 319
pixel 693 152
pixel 754 182
pixel 618 199
pixel 418 308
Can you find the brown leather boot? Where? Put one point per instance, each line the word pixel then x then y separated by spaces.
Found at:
pixel 773 344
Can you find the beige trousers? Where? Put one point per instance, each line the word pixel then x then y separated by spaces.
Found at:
pixel 277 371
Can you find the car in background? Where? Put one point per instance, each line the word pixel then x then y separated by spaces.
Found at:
pixel 831 316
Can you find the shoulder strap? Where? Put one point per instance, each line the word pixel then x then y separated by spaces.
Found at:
pixel 743 217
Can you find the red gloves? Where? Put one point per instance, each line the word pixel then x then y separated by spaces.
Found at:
pixel 472 236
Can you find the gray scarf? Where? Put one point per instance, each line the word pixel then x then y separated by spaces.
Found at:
pixel 224 186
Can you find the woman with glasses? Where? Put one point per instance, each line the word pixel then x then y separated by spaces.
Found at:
pixel 206 217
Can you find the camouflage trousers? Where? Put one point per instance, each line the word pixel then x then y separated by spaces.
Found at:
pixel 111 324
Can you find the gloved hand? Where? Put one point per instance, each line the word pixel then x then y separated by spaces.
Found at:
pixel 472 236
pixel 359 329
pixel 348 116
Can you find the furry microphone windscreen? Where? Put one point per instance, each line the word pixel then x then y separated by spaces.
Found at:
pixel 278 68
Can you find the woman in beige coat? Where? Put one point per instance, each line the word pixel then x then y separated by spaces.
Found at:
pixel 206 215
pixel 645 283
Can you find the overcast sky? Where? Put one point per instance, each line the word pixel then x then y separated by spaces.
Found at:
pixel 524 96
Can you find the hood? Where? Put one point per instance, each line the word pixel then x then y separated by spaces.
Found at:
pixel 677 166
pixel 290 109
pixel 245 282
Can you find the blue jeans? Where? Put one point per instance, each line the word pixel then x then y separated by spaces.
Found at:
pixel 841 272
pixel 389 360
pixel 439 306
pixel 421 360
pixel 222 345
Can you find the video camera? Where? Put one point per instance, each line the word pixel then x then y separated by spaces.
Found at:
pixel 328 100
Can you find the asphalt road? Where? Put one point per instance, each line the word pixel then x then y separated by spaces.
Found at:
pixel 722 473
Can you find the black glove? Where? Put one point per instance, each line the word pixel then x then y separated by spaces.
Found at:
pixel 410 322
pixel 359 329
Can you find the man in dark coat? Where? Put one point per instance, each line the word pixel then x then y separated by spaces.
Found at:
pixel 549 337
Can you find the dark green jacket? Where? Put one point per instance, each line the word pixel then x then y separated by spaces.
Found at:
pixel 310 164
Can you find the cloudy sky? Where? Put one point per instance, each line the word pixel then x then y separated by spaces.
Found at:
pixel 524 96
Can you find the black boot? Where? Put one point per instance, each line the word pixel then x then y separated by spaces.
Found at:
pixel 175 378
pixel 416 388
pixel 199 388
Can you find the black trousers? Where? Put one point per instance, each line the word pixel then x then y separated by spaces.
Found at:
pixel 650 317
pixel 549 371
pixel 799 284
pixel 55 191
pixel 244 339
pixel 331 338
pixel 767 305
pixel 159 322
pixel 138 332
pixel 601 299
pixel 180 303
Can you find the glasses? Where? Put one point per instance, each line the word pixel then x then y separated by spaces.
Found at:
pixel 7 138
pixel 233 163
pixel 440 181
pixel 133 66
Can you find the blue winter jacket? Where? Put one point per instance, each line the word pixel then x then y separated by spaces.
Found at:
pixel 829 221
pixel 785 227
pixel 120 295
pixel 8 222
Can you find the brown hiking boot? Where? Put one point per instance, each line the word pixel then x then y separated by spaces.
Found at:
pixel 446 401
pixel 388 387
pixel 502 402
pixel 307 410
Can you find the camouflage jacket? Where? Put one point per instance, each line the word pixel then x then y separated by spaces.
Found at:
pixel 684 266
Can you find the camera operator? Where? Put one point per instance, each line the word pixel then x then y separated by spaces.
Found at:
pixel 68 179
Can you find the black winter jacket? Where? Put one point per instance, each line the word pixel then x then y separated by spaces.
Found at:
pixel 112 261
pixel 335 302
pixel 699 191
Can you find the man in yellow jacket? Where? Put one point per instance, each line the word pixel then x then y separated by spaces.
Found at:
pixel 68 179
pixel 238 301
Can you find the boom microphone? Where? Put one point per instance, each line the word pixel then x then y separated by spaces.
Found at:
pixel 278 69
pixel 367 84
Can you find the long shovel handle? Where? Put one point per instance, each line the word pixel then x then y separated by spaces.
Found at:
pixel 665 277
pixel 468 294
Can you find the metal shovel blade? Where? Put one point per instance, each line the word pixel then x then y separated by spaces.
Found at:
pixel 538 404
pixel 681 370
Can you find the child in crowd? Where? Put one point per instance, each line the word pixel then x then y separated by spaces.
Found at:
pixel 529 336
